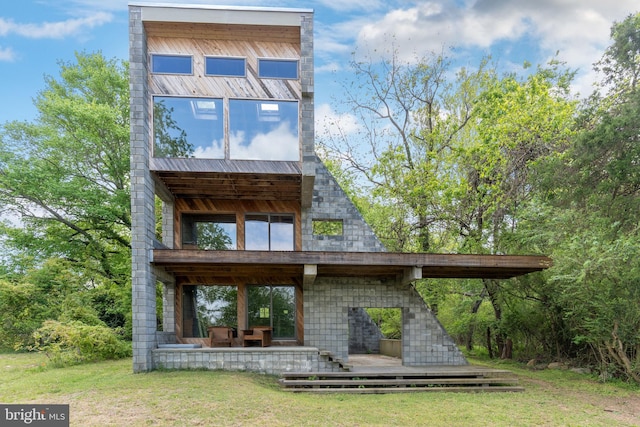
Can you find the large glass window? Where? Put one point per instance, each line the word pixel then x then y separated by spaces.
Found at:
pixel 204 306
pixel 209 232
pixel 171 64
pixel 188 127
pixel 273 306
pixel 263 130
pixel 269 232
pixel 224 66
pixel 278 68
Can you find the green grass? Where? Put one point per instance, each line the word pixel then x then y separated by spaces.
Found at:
pixel 109 394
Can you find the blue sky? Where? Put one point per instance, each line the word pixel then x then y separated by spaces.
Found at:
pixel 36 34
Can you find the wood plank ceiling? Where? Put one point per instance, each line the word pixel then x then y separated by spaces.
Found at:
pixel 228 179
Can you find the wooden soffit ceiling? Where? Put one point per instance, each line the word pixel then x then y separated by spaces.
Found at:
pixel 224 179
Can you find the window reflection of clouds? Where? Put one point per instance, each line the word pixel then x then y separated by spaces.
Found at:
pixel 263 130
pixel 265 232
pixel 258 129
pixel 256 233
pixel 281 237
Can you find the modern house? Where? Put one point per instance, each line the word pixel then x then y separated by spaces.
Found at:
pixel 255 230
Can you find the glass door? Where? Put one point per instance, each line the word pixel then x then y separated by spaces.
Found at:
pixel 273 306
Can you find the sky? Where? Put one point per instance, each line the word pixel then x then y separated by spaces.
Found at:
pixel 35 35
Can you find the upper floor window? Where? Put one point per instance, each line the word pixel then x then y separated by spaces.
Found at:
pixel 209 232
pixel 278 68
pixel 171 64
pixel 269 232
pixel 188 127
pixel 263 130
pixel 225 66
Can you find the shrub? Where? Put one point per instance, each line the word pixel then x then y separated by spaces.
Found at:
pixel 74 342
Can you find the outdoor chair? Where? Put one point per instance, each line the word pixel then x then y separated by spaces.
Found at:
pixel 259 334
pixel 220 336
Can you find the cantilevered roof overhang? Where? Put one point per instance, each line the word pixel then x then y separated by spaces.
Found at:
pixel 194 266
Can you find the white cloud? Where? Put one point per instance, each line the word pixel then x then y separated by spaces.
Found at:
pixel 351 5
pixel 578 29
pixel 331 125
pixel 54 30
pixel 7 54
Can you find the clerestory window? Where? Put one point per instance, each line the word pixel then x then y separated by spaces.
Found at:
pixel 278 68
pixel 171 64
pixel 225 66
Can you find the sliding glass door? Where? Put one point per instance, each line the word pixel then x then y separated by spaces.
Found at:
pixel 273 306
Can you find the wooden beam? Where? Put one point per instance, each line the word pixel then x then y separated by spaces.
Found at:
pixel 355 264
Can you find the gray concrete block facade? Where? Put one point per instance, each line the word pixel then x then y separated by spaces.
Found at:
pixel 330 202
pixel 327 302
pixel 364 334
pixel 326 319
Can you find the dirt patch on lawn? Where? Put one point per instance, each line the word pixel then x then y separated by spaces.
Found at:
pixel 623 409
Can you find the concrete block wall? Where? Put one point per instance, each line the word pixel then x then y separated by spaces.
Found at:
pixel 268 360
pixel 364 334
pixel 326 323
pixel 142 201
pixel 307 124
pixel 330 202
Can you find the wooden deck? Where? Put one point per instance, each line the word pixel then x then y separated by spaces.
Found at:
pixel 378 375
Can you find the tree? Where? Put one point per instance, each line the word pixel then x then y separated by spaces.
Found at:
pixel 65 176
pixel 64 188
pixel 450 159
pixel 594 191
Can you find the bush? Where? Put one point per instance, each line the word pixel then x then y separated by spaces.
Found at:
pixel 23 308
pixel 74 342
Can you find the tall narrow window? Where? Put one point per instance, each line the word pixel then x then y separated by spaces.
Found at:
pixel 171 64
pixel 269 232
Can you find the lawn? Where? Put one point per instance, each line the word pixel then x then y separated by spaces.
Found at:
pixel 109 394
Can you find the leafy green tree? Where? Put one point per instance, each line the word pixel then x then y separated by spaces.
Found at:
pixel 590 205
pixel 64 187
pixel 65 175
pixel 450 158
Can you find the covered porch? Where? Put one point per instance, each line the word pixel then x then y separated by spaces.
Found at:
pixel 325 287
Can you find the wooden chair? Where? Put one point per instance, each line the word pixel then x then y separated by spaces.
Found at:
pixel 261 334
pixel 220 336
